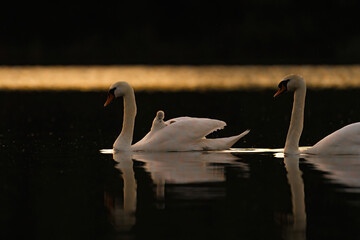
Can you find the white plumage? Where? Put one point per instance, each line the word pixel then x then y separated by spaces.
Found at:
pixel 345 141
pixel 178 134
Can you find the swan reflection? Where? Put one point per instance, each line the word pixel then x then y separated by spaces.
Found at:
pixel 342 169
pixel 187 167
pixel 164 168
pixel 122 211
pixel 296 230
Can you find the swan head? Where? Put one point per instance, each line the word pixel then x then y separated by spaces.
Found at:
pixel 160 115
pixel 290 83
pixel 116 90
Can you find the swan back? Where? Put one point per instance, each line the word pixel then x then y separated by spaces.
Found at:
pixel 345 141
pixel 158 123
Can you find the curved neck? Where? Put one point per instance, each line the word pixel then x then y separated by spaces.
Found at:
pixel 124 140
pixel 296 122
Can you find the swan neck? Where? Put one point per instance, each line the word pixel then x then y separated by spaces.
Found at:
pixel 296 122
pixel 123 142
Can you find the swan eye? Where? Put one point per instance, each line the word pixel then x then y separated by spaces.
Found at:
pixel 110 97
pixel 112 91
pixel 282 87
pixel 284 83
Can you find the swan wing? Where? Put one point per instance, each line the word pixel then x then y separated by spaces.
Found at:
pixel 190 128
pixel 343 141
pixel 221 143
pixel 180 134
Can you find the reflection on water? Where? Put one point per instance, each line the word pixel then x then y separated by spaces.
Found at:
pixel 339 169
pixel 296 229
pixel 277 151
pixel 173 77
pixel 186 167
pixel 123 210
pixel 182 170
pixel 164 168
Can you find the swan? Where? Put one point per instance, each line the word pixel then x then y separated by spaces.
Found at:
pixel 178 134
pixel 343 141
pixel 158 124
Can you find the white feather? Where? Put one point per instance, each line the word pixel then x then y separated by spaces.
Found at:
pixel 178 134
pixel 345 141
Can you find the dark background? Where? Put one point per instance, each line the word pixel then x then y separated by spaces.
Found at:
pixel 180 32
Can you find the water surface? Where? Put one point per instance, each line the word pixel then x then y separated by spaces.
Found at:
pixel 56 184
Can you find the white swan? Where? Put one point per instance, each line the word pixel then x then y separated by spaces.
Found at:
pixel 158 123
pixel 178 134
pixel 343 141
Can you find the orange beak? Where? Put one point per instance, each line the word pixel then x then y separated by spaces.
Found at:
pixel 280 91
pixel 109 99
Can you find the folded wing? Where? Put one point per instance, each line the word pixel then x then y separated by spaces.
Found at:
pixel 180 134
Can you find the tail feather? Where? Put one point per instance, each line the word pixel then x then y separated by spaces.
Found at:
pixel 221 143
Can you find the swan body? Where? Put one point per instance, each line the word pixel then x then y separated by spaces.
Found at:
pixel 178 134
pixel 187 134
pixel 343 141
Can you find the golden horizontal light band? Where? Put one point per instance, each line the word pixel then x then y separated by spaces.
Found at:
pixel 173 78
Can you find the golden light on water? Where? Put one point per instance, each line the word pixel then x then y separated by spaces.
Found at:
pixel 173 77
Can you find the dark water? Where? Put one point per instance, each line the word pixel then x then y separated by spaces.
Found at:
pixel 55 183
